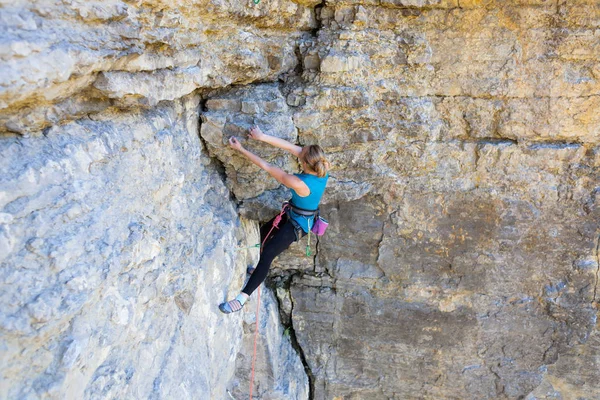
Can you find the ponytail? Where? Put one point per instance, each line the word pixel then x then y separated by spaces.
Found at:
pixel 314 156
pixel 320 168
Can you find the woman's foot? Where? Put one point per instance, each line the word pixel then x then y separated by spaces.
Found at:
pixel 234 305
pixel 250 270
pixel 231 306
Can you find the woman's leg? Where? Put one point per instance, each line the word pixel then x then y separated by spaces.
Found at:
pixel 279 240
pixel 266 227
pixel 283 238
pixel 264 231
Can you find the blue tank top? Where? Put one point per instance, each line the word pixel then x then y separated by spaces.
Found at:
pixel 310 202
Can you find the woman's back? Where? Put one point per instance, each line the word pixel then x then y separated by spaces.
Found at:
pixel 310 202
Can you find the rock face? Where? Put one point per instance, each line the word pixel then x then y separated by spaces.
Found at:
pixel 65 60
pixel 119 241
pixel 232 114
pixel 471 266
pixel 463 256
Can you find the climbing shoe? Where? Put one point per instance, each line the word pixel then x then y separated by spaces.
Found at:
pixel 234 305
pixel 231 306
pixel 250 270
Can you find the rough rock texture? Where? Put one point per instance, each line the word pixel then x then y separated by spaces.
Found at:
pixel 117 234
pixel 280 371
pixel 62 60
pixel 471 266
pixel 232 114
pixel 463 256
pixel 118 243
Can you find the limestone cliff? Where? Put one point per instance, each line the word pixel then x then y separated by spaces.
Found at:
pixel 463 256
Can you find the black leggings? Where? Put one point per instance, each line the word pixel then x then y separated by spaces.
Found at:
pixel 279 240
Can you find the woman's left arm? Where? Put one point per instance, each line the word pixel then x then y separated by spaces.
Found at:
pixel 289 180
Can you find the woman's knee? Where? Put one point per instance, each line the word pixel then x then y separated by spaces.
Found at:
pixel 266 258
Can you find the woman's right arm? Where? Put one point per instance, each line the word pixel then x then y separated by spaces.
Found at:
pixel 289 180
pixel 257 134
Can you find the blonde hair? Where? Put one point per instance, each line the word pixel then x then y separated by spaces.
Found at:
pixel 314 157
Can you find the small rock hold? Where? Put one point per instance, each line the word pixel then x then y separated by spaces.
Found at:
pixel 275 106
pixel 294 100
pixel 311 61
pixel 223 104
pixel 249 107
pixel 121 317
pixel 5 218
pixel 341 63
pixel 185 301
pixel 71 354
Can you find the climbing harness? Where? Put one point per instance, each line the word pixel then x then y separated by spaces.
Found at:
pixel 318 224
pixel 302 211
pixel 305 213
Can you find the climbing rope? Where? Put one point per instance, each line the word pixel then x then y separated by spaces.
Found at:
pixel 276 222
pixel 308 253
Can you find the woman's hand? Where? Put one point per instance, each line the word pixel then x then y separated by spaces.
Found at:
pixel 235 144
pixel 255 133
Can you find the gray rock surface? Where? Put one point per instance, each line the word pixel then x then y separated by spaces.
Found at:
pixel 471 266
pixel 232 115
pixel 280 372
pixel 118 242
pixel 62 60
pixel 462 260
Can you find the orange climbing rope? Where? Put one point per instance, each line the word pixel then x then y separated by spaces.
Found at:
pixel 276 222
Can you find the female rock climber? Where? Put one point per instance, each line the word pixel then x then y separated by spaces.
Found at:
pixel 307 189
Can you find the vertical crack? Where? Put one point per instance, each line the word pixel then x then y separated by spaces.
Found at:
pixel 215 162
pixel 318 8
pixel 288 323
pixel 300 351
pixel 377 260
pixel 477 155
pixel 499 386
